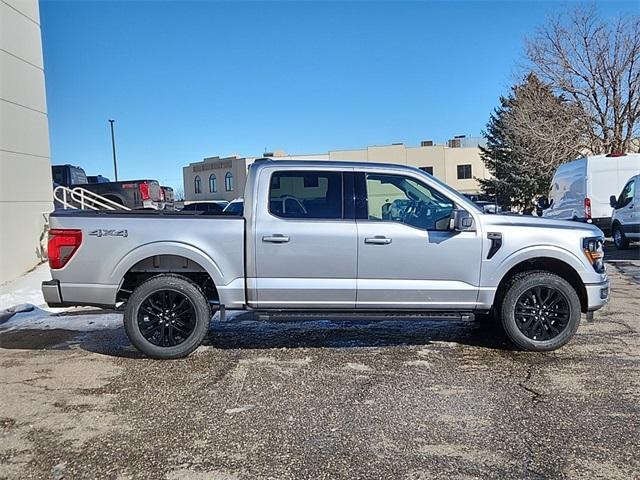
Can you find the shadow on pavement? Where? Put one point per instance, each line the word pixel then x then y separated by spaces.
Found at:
pixel 245 332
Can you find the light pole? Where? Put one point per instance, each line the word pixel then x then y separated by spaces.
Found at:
pixel 113 148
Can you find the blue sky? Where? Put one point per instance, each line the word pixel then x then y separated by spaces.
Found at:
pixel 185 80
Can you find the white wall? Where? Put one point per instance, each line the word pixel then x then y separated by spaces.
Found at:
pixel 25 167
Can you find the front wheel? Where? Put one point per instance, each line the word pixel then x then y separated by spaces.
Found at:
pixel 167 317
pixel 619 239
pixel 540 311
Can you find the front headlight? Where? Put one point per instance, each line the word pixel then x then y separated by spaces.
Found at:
pixel 594 251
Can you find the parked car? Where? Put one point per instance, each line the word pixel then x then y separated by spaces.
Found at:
pixel 580 190
pixel 488 207
pixel 169 198
pixel 97 179
pixel 625 223
pixel 134 194
pixel 207 207
pixel 235 207
pixel 312 237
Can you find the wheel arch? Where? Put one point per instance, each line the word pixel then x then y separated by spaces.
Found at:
pixel 166 257
pixel 549 264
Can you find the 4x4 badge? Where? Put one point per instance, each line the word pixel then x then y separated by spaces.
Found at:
pixel 109 233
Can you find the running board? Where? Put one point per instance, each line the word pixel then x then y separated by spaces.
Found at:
pixel 287 315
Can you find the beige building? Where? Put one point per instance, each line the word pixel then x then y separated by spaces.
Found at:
pixel 25 168
pixel 458 164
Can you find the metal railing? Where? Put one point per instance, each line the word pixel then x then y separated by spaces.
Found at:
pixel 79 198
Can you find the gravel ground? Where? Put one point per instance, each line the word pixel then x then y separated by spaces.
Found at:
pixel 390 398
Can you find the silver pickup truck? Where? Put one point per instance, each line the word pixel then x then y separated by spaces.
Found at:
pixel 328 237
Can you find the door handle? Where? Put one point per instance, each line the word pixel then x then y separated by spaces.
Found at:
pixel 378 240
pixel 275 238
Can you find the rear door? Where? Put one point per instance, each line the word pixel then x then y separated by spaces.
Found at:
pixel 305 240
pixel 407 257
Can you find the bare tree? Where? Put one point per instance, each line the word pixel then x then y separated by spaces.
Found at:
pixel 597 65
pixel 544 128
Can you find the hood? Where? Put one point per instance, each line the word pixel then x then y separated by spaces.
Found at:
pixel 528 221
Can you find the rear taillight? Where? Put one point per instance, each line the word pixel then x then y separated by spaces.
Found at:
pixel 62 245
pixel 587 208
pixel 144 190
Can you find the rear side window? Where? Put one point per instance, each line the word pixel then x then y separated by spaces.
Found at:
pixel 78 177
pixel 306 195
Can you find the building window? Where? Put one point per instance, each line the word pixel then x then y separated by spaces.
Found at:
pixel 213 183
pixel 464 172
pixel 228 182
pixel 197 184
pixel 428 170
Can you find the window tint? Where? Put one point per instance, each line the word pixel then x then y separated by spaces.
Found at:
pixel 401 199
pixel 78 177
pixel 228 182
pixel 197 185
pixel 626 197
pixel 58 175
pixel 464 172
pixel 306 194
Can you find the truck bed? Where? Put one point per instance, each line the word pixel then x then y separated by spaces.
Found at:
pixel 115 242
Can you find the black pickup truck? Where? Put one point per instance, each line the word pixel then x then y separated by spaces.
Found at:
pixel 133 194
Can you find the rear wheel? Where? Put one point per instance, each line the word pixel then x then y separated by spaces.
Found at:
pixel 167 317
pixel 619 238
pixel 540 311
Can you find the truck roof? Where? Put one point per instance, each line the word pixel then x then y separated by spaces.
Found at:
pixel 293 162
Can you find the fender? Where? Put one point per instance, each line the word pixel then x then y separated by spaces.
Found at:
pixel 492 275
pixel 166 248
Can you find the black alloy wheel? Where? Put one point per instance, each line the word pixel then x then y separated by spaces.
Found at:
pixel 166 318
pixel 542 313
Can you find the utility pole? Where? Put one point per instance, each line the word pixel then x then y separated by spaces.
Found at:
pixel 113 148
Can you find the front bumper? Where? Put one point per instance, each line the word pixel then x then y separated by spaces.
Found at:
pixel 597 295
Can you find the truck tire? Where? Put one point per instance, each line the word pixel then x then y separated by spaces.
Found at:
pixel 619 238
pixel 540 311
pixel 167 317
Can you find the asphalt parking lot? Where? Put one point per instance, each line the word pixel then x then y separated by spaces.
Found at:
pixel 389 398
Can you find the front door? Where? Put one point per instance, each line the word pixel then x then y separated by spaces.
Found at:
pixel 626 209
pixel 305 241
pixel 407 256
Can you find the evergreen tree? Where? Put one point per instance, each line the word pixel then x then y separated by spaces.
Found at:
pixel 528 136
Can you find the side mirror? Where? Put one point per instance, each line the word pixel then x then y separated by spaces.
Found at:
pixel 613 201
pixel 461 221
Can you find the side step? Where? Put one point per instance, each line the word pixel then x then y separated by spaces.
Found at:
pixel 350 315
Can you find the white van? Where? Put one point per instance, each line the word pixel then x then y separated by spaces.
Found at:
pixel 580 190
pixel 625 224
